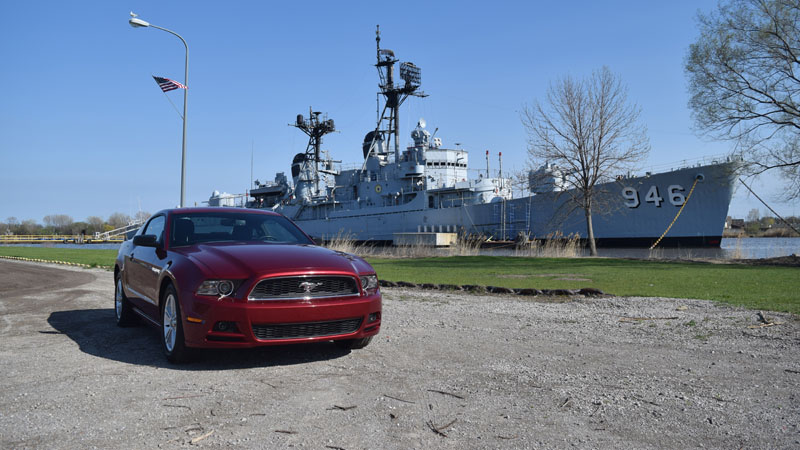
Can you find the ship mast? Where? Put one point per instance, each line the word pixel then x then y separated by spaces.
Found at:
pixel 315 128
pixel 394 94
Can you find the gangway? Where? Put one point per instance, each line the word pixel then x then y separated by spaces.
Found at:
pixel 120 232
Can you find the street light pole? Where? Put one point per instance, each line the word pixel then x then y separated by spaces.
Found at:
pixel 139 23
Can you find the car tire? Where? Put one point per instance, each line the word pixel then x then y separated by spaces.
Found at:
pixel 123 310
pixel 353 344
pixel 172 340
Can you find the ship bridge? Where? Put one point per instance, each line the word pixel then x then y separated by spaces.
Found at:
pixel 445 167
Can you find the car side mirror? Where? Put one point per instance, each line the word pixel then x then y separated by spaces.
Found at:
pixel 146 240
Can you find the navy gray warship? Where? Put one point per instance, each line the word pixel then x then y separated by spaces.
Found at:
pixel 424 190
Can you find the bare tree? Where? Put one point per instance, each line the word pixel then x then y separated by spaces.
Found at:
pixel 60 223
pixel 95 224
pixel 10 226
pixel 142 215
pixel 519 182
pixel 28 226
pixel 589 129
pixel 118 220
pixel 744 81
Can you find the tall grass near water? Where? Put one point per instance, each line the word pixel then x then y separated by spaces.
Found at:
pixel 464 246
pixel 553 246
pixel 737 252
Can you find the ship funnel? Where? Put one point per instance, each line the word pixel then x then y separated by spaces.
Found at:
pixel 374 140
pixel 297 165
pixel 302 177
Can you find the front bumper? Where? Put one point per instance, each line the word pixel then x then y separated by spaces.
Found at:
pixel 277 322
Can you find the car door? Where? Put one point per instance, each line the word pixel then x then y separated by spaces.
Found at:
pixel 144 266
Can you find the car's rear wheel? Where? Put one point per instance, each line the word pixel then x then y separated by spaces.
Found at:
pixel 122 306
pixel 353 344
pixel 172 327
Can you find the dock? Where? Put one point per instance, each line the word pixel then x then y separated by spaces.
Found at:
pixel 114 236
pixel 424 239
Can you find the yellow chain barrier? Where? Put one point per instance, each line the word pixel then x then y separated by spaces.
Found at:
pixel 48 261
pixel 677 215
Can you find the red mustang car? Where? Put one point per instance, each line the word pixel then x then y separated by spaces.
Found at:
pixel 232 277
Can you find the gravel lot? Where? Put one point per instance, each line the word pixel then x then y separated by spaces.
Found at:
pixel 449 370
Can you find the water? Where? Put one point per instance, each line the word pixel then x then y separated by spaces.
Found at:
pixel 752 248
pixel 731 248
pixel 735 248
pixel 744 248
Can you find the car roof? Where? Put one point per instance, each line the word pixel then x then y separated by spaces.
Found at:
pixel 215 209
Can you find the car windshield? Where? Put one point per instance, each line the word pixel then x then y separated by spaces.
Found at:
pixel 196 228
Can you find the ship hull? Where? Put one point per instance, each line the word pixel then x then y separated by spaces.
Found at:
pixel 630 212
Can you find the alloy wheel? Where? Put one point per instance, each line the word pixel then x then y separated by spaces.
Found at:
pixel 118 299
pixel 170 321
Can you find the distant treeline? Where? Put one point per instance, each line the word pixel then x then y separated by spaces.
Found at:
pixel 65 224
pixel 756 225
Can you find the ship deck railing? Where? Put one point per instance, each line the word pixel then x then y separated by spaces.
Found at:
pixel 692 162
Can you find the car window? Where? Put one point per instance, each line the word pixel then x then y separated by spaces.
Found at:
pixel 273 229
pixel 195 228
pixel 156 227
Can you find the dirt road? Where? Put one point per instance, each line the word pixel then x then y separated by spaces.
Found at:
pixel 449 370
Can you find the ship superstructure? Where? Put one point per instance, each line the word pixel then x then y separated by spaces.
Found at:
pixel 425 188
pixel 425 175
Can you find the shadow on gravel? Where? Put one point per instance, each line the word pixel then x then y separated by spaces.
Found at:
pixel 96 333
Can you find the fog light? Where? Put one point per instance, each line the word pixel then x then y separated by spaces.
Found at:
pixel 226 327
pixel 373 317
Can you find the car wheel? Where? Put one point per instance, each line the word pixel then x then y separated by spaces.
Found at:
pixel 172 327
pixel 353 344
pixel 122 306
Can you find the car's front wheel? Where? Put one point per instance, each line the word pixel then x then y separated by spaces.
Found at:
pixel 122 306
pixel 172 327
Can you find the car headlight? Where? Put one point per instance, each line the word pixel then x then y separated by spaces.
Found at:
pixel 369 283
pixel 222 288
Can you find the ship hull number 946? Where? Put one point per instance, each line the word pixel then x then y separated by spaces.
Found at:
pixel 674 196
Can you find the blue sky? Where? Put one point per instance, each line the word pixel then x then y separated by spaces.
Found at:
pixel 85 131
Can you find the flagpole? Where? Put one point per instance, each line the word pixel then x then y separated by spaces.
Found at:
pixel 135 22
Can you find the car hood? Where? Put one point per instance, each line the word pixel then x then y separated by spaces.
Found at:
pixel 238 260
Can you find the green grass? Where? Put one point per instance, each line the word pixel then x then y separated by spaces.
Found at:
pixel 757 287
pixel 91 257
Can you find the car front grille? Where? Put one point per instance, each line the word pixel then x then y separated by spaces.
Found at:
pixel 305 330
pixel 293 288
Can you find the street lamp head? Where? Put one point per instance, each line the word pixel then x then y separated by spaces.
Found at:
pixel 137 23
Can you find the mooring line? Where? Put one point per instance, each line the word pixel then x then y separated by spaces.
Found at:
pixel 677 215
pixel 769 207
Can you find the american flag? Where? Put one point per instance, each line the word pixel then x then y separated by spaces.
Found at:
pixel 167 85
